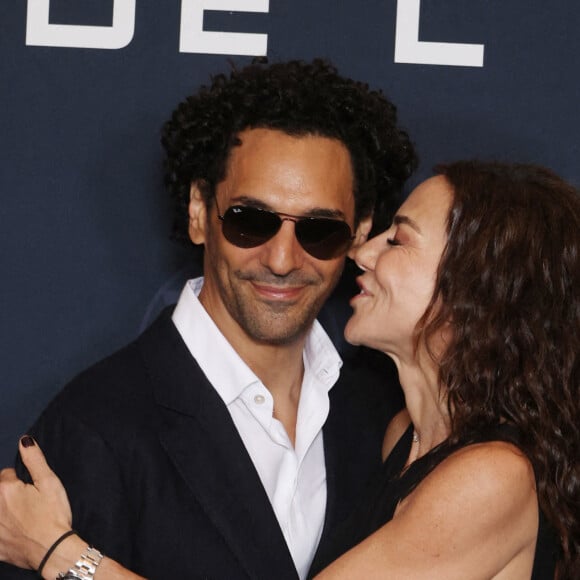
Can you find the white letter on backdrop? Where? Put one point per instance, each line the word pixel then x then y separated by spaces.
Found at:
pixel 39 31
pixel 193 38
pixel 409 49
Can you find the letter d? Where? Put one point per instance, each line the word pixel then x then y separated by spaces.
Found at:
pixel 39 31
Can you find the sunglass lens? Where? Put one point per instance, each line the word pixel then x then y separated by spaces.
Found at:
pixel 248 227
pixel 322 238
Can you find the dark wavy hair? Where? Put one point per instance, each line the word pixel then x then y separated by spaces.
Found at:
pixel 508 284
pixel 298 98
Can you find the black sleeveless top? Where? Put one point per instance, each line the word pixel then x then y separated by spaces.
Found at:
pixel 393 483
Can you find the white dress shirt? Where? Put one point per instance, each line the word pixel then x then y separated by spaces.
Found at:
pixel 294 477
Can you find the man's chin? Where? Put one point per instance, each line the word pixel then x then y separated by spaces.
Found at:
pixel 276 322
pixel 278 332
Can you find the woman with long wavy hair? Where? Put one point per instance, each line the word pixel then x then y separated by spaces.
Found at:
pixel 474 292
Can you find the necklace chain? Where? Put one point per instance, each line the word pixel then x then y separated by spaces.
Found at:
pixel 417 441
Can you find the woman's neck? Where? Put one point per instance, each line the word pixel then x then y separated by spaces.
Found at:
pixel 426 404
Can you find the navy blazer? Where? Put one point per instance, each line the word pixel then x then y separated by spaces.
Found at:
pixel 159 478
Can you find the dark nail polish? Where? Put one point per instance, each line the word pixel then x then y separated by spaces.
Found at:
pixel 27 441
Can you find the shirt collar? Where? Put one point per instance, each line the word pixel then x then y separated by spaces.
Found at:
pixel 222 365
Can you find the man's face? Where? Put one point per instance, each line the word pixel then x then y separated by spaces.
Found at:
pixel 273 292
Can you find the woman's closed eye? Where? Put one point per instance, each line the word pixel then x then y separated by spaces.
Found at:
pixel 393 242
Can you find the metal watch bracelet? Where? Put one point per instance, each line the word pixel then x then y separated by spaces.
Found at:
pixel 85 567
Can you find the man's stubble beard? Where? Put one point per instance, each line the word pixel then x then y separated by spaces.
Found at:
pixel 273 322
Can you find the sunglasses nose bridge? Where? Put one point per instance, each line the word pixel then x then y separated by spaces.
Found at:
pixel 288 218
pixel 283 252
pixel 275 228
pixel 284 217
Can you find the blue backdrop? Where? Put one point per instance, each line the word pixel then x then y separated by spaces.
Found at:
pixel 86 86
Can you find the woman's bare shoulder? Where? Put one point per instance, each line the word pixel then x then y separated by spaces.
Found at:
pixel 480 488
pixel 497 465
pixel 474 516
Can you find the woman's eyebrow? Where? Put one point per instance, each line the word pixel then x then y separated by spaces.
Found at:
pixel 403 219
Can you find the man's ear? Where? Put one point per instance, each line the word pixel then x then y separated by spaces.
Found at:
pixel 197 215
pixel 361 234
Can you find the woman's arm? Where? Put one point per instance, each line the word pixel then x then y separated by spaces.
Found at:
pixel 475 516
pixel 33 516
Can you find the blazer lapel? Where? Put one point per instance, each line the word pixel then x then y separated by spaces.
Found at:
pixel 202 441
pixel 361 405
pixel 337 458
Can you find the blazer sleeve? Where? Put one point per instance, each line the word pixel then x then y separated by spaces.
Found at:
pixel 91 474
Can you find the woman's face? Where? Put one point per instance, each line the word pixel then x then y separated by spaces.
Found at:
pixel 400 267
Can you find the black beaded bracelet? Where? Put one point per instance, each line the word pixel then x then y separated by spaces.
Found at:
pixel 52 549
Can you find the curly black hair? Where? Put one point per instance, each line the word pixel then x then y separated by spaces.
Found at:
pixel 509 286
pixel 297 98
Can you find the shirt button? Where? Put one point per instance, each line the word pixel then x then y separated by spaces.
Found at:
pixel 259 399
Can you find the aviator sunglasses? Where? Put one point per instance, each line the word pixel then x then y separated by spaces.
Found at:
pixel 248 227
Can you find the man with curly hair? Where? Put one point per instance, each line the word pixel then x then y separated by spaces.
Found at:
pixel 230 439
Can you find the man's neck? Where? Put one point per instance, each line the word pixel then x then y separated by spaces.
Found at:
pixel 278 365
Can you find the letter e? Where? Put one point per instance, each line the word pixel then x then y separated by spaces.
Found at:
pixel 193 38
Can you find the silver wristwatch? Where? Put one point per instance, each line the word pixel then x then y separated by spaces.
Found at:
pixel 85 568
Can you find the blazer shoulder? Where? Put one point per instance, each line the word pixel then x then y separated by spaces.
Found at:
pixel 121 384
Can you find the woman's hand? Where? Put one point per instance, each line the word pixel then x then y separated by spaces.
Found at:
pixel 32 516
